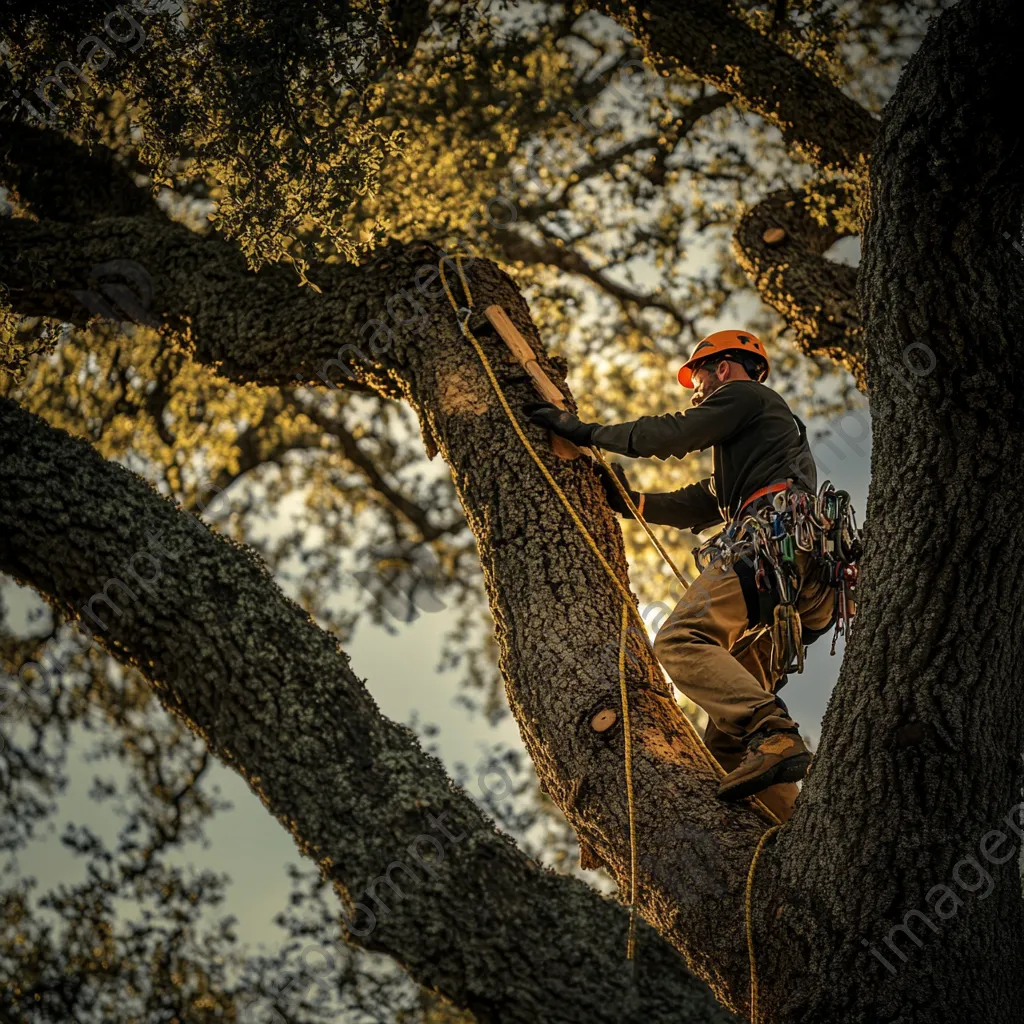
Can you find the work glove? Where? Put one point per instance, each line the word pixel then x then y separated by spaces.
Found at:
pixel 611 492
pixel 560 422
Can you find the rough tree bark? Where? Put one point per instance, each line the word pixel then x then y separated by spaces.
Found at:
pixel 921 746
pixel 275 698
pixel 920 751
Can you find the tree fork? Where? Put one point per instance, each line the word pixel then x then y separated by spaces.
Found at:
pixel 550 597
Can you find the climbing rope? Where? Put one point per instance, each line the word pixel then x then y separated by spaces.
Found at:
pixel 638 516
pixel 462 315
pixel 750 928
pixel 627 741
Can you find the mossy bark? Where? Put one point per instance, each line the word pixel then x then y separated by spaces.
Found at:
pixel 275 698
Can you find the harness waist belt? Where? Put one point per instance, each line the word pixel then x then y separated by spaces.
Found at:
pixel 762 492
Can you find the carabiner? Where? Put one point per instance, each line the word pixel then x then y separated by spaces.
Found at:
pixel 788 554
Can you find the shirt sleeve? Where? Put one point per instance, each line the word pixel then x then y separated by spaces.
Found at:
pixel 689 506
pixel 677 434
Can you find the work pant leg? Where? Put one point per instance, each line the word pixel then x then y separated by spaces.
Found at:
pixel 754 653
pixel 694 646
pixel 816 600
pixel 814 603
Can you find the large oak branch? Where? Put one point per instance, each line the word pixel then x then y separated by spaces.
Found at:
pixel 781 246
pixel 276 699
pixel 250 326
pixel 702 38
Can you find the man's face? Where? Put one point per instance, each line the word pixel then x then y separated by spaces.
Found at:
pixel 706 381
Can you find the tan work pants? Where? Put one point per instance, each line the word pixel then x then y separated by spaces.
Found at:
pixel 722 665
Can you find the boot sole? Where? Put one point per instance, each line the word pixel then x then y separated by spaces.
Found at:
pixel 793 769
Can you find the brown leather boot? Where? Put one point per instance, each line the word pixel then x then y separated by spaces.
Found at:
pixel 773 755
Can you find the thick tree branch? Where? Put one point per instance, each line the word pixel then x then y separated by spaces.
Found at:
pixel 250 327
pixel 275 698
pixel 703 39
pixel 781 247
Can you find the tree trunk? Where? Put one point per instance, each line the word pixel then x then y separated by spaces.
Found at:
pixel 920 755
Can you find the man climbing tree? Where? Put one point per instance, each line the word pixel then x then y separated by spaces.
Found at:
pixel 717 646
pixel 238 138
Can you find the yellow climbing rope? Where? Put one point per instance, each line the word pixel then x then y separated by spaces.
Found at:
pixel 638 516
pixel 627 741
pixel 628 607
pixel 750 930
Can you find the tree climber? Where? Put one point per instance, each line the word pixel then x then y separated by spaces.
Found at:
pixel 771 581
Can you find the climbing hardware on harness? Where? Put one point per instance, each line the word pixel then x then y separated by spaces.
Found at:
pixel 761 543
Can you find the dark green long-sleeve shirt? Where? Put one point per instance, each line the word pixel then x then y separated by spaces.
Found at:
pixel 755 440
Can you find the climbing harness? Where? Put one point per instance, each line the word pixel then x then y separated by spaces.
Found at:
pixel 761 544
pixel 629 608
pixel 840 549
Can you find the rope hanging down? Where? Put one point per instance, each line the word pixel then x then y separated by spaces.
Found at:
pixel 749 900
pixel 627 743
pixel 462 315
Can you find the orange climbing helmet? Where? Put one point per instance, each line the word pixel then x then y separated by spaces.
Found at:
pixel 722 342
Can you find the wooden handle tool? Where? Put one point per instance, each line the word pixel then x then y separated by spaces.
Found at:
pixel 546 388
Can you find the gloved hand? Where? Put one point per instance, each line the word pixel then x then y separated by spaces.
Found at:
pixel 565 424
pixel 611 492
